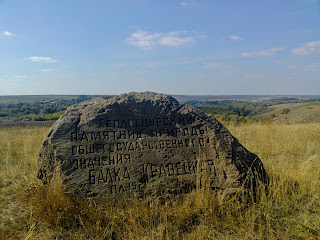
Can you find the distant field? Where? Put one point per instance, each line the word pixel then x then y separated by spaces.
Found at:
pixel 299 113
pixel 254 98
pixel 33 98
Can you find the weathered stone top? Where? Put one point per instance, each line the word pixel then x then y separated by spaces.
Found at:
pixel 145 143
pixel 135 102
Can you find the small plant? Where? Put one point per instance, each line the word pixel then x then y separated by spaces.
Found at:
pixel 285 111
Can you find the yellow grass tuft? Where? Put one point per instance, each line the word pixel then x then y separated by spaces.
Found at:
pixel 291 210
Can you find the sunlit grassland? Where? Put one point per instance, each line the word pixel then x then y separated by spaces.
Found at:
pixel 291 210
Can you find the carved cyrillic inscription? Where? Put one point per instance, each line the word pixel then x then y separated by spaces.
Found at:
pixel 108 175
pixel 135 134
pixel 104 160
pixel 178 169
pixel 108 153
pixel 121 172
pixel 144 122
pixel 129 146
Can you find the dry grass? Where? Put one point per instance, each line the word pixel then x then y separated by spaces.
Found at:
pixel 308 112
pixel 290 153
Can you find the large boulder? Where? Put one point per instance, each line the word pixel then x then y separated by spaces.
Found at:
pixel 147 144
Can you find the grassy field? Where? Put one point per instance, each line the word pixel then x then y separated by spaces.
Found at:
pixel 291 210
pixel 308 112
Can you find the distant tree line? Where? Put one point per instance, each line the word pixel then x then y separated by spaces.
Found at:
pixel 231 110
pixel 40 110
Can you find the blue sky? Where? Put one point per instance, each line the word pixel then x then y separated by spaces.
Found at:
pixel 196 47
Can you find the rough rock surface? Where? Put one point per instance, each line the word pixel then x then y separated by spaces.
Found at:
pixel 145 143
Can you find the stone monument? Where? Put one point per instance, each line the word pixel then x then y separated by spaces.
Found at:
pixel 147 144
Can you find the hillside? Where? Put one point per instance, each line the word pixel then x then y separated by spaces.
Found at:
pixel 308 112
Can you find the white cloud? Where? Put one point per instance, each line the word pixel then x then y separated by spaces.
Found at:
pixel 307 48
pixel 147 40
pixel 263 53
pixel 143 39
pixel 175 41
pixel 303 51
pixel 313 67
pixel 235 37
pixel 186 4
pixel 48 70
pixel 313 44
pixel 8 34
pixel 42 59
pixel 21 77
